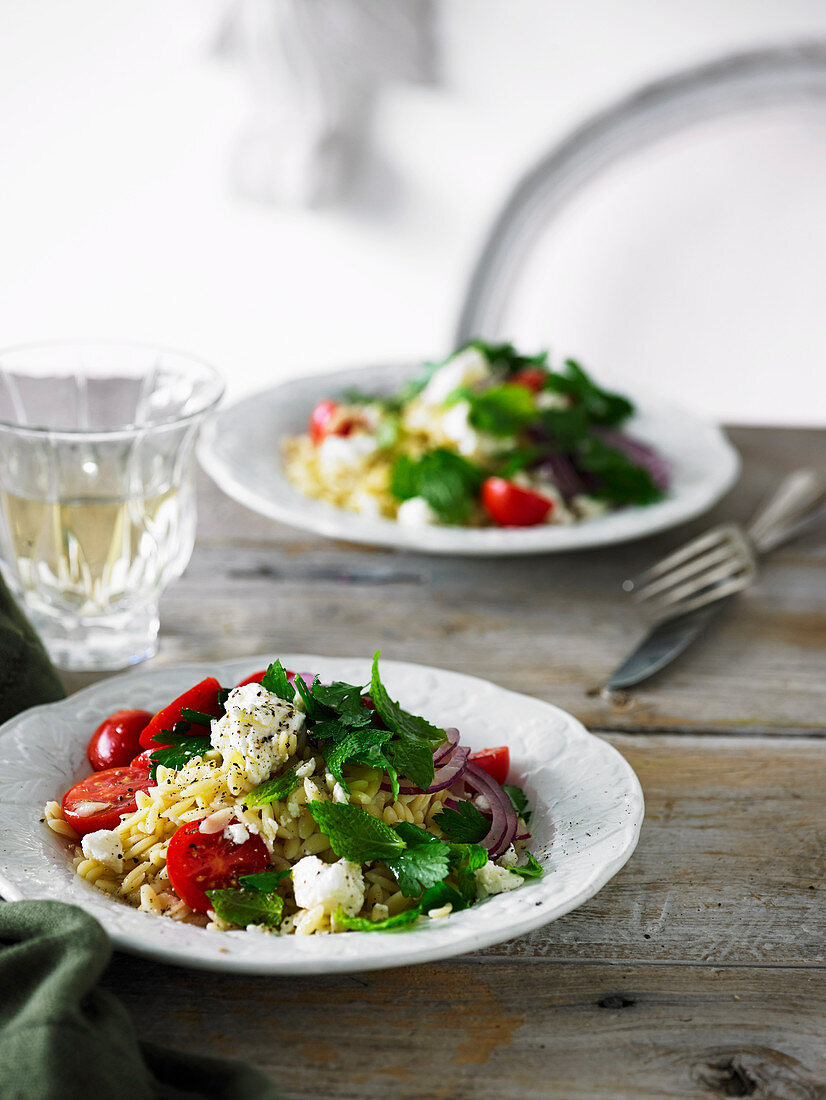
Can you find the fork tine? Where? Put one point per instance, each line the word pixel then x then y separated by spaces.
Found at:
pixel 732 569
pixel 677 557
pixel 729 588
pixel 723 552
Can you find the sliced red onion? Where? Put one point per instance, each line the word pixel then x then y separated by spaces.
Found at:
pixel 443 778
pixel 504 821
pixel 445 751
pixel 560 471
pixel 522 836
pixel 640 453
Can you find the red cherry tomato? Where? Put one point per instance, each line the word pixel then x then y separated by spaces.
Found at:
pixel 115 741
pixel 111 791
pixel 197 862
pixel 142 759
pixel 203 697
pixel 511 506
pixel 532 378
pixel 256 678
pixel 496 762
pixel 323 420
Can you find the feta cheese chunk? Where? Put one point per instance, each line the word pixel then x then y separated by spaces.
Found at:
pixel 491 879
pixel 259 726
pixel 237 833
pixel 466 368
pixel 416 512
pixel 104 846
pixel 339 451
pixel 469 442
pixel 328 885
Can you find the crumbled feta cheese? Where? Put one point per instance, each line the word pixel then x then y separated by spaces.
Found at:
pixel 217 822
pixel 237 833
pixel 466 368
pixel 416 512
pixel 482 804
pixel 328 885
pixel 491 879
pixel 338 451
pixel 589 507
pixel 339 794
pixel 259 726
pixel 303 771
pixel 104 846
pixel 547 399
pixel 366 504
pixel 469 442
pixel 508 858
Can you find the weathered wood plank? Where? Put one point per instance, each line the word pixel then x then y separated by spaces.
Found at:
pixel 472 1029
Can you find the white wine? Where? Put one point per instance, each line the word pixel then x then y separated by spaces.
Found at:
pixel 92 556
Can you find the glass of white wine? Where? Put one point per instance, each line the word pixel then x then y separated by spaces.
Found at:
pixel 97 501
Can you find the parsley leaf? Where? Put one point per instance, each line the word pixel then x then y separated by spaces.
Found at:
pixel 273 790
pixel 354 834
pixel 239 906
pixel 197 717
pixel 466 824
pixel 601 406
pixel 519 800
pixel 449 483
pixel 266 881
pixel 464 860
pixel 505 359
pixel 397 719
pixel 532 869
pixel 275 680
pixel 440 894
pixel 423 863
pixel 364 924
pixel 179 753
pixel 312 708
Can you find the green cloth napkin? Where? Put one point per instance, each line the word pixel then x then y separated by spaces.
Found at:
pixel 27 676
pixel 61 1036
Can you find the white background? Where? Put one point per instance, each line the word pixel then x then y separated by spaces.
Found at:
pixel 117 220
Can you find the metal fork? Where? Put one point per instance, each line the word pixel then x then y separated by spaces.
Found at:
pixel 723 561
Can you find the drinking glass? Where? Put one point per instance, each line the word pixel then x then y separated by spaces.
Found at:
pixel 97 501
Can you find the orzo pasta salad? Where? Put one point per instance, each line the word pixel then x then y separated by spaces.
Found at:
pixel 288 805
pixel 488 438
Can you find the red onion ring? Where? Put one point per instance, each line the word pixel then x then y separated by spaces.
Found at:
pixel 504 821
pixel 522 836
pixel 445 750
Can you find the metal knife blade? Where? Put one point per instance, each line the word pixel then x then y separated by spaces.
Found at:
pixel 663 644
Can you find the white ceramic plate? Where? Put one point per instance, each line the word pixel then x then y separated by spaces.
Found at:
pixel 587 812
pixel 240 449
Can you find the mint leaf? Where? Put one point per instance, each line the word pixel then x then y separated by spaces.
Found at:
pixel 504 410
pixel 464 860
pixel 466 823
pixel 449 483
pixel 247 906
pixel 312 708
pixel 364 924
pixel 421 866
pixel 397 719
pixel 362 745
pixel 354 834
pixel 440 894
pixel 532 869
pixel 505 359
pixel 414 760
pixel 275 680
pixel 601 406
pixel 273 790
pixel 519 800
pixel 621 481
pixel 267 881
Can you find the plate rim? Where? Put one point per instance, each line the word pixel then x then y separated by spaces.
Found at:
pixel 334 523
pixel 416 953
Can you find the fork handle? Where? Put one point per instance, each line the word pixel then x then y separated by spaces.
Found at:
pixel 777 519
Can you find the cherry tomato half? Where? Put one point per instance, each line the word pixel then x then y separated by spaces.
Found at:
pixel 511 506
pixel 203 697
pixel 142 759
pixel 532 378
pixel 197 862
pixel 323 420
pixel 115 741
pixel 496 762
pixel 98 801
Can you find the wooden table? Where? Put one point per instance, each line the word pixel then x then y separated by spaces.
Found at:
pixel 700 970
